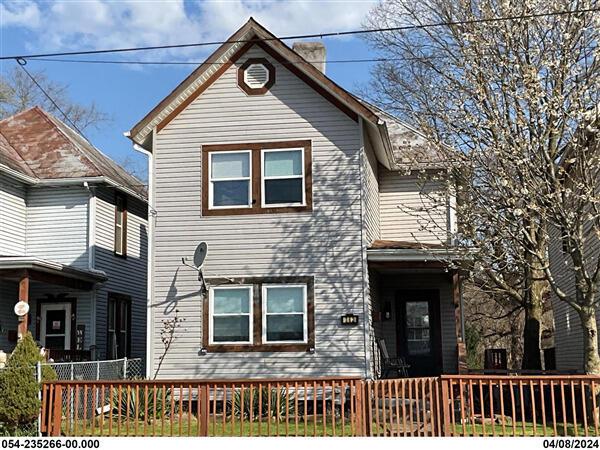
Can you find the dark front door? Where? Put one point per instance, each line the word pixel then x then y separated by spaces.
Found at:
pixel 418 330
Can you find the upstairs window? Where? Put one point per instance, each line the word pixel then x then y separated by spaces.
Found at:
pixel 229 175
pixel 283 177
pixel 120 247
pixel 256 178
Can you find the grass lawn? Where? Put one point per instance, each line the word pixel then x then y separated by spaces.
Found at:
pixel 190 428
pixel 527 430
pixel 187 427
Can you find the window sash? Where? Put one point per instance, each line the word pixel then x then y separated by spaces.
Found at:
pixel 265 178
pixel 118 327
pixel 211 181
pixel 304 313
pixel 120 230
pixel 212 315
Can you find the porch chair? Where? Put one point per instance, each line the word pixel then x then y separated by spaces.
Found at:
pixel 389 364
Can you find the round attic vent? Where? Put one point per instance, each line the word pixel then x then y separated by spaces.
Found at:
pixel 256 76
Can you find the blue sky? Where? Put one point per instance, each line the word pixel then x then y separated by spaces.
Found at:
pixel 126 92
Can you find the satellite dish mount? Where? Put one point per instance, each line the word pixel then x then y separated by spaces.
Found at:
pixel 199 257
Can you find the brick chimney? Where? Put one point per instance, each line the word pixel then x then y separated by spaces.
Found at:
pixel 313 52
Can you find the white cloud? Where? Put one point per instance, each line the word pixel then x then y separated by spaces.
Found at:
pixel 98 24
pixel 22 13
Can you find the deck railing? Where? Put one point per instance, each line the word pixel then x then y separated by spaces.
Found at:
pixel 298 407
pixel 552 405
pixel 455 405
pixel 404 407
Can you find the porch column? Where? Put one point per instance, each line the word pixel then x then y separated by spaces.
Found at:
pixel 461 349
pixel 23 297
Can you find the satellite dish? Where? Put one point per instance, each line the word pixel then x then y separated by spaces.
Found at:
pixel 200 254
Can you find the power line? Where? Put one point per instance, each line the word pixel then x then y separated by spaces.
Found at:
pixel 285 63
pixel 22 64
pixel 195 63
pixel 306 36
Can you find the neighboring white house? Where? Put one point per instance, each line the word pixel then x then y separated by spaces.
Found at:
pixel 300 191
pixel 568 334
pixel 73 243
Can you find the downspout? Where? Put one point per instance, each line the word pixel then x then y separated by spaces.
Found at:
pixel 150 252
pixel 91 241
pixel 365 278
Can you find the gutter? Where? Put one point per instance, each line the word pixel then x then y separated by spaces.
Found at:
pixel 69 181
pixel 387 145
pixel 43 265
pixel 150 253
pixel 412 255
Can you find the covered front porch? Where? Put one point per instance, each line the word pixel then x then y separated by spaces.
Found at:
pixel 61 306
pixel 417 317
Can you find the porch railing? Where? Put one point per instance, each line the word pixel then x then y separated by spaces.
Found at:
pixel 298 407
pixel 455 405
pixel 552 405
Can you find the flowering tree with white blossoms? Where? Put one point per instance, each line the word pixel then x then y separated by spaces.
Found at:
pixel 507 89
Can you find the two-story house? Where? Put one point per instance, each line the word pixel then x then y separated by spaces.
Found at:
pixel 73 243
pixel 300 191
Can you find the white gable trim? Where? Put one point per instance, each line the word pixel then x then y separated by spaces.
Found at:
pixel 183 96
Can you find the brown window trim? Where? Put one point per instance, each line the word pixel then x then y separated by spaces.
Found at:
pixel 258 345
pixel 118 298
pixel 255 148
pixel 256 91
pixel 123 199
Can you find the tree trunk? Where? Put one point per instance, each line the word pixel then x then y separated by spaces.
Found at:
pixel 532 333
pixel 589 327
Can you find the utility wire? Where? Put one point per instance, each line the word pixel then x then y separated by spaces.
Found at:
pixel 284 63
pixel 196 63
pixel 314 35
pixel 22 63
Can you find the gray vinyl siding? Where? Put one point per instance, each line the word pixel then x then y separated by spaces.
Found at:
pixel 57 225
pixel 568 335
pixel 13 211
pixel 408 212
pixel 127 276
pixel 389 285
pixel 325 244
pixel 371 233
pixel 371 192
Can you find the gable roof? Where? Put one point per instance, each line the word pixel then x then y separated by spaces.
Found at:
pixel 397 143
pixel 412 149
pixel 37 145
pixel 251 33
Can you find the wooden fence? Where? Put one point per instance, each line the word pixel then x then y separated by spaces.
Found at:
pixel 551 405
pixel 456 405
pixel 298 407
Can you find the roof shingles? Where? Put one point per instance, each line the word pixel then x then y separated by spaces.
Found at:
pixel 39 145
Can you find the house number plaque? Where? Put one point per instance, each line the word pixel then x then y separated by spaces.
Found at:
pixel 349 319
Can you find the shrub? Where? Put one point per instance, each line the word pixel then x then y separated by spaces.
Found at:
pixel 260 403
pixel 135 405
pixel 19 403
pixel 473 344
